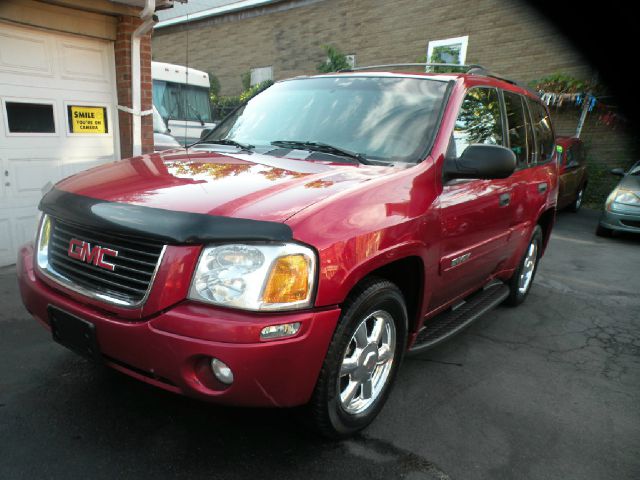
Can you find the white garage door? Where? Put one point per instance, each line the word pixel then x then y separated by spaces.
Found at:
pixel 58 117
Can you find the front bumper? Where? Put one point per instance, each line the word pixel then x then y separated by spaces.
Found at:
pixel 626 219
pixel 172 349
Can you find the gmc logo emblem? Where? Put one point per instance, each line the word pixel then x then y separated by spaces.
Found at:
pixel 83 251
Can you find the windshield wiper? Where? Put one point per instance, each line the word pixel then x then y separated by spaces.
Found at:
pixel 233 143
pixel 321 147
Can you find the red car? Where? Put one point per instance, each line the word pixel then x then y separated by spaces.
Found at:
pixel 573 173
pixel 319 233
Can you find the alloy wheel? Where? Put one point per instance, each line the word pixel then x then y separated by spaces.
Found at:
pixel 528 268
pixel 367 362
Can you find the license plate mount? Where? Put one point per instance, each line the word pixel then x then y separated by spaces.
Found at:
pixel 74 333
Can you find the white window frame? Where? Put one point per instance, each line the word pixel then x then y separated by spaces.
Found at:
pixel 255 69
pixel 463 41
pixel 37 101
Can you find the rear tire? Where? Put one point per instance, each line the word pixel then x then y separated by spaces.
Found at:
pixel 362 360
pixel 522 279
pixel 577 203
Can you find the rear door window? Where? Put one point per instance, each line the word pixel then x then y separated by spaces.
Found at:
pixel 568 158
pixel 543 131
pixel 517 127
pixel 532 147
pixel 479 120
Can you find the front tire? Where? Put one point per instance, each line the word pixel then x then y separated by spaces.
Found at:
pixel 521 281
pixel 362 361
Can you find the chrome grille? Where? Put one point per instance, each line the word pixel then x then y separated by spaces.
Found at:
pixel 134 266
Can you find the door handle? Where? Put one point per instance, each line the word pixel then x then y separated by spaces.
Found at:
pixel 505 199
pixel 542 187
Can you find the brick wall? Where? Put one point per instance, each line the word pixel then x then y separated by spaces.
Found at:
pixel 506 36
pixel 126 26
pixel 613 144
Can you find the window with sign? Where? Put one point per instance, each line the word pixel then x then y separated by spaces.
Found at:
pixel 87 119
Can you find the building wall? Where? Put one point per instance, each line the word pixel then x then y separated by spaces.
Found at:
pixel 105 20
pixel 506 36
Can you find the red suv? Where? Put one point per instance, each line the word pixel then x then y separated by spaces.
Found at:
pixel 320 232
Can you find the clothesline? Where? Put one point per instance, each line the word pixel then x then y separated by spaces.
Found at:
pixel 558 99
pixel 578 100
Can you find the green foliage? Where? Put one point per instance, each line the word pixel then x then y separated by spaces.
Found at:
pixel 246 81
pixel 223 105
pixel 253 91
pixel 563 83
pixel 445 54
pixel 437 58
pixel 336 60
pixel 214 85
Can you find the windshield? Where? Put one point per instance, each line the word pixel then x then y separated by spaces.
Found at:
pixel 176 101
pixel 382 118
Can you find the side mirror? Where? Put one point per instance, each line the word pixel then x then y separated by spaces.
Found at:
pixel 618 171
pixel 205 132
pixel 482 162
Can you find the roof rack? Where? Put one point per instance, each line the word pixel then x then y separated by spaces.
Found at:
pixel 472 69
pixel 396 65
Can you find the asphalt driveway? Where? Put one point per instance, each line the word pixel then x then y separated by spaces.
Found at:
pixel 547 390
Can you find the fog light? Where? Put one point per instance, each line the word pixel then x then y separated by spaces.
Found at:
pixel 222 371
pixel 277 331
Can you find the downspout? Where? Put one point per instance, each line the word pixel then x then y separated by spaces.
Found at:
pixel 148 20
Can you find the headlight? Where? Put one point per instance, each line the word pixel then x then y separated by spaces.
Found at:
pixel 42 241
pixel 255 277
pixel 625 197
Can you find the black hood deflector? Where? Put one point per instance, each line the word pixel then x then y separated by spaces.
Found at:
pixel 168 226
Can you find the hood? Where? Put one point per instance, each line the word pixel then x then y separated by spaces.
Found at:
pixel 630 182
pixel 252 185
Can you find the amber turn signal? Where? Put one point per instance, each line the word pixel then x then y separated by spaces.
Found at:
pixel 288 281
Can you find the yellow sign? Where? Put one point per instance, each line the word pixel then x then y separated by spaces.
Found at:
pixel 87 119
